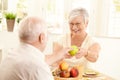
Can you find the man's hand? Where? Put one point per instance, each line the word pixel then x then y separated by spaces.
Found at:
pixel 58 55
pixel 61 54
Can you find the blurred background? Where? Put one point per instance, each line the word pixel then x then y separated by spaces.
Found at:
pixel 104 26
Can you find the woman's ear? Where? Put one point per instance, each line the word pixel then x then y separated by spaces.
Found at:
pixel 86 23
pixel 41 37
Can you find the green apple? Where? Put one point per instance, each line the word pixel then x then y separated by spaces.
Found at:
pixel 74 50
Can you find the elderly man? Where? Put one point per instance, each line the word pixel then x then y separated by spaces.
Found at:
pixel 27 61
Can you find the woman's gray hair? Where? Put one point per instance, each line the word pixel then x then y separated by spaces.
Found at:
pixel 79 12
pixel 30 29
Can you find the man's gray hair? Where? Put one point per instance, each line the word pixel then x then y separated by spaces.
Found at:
pixel 30 29
pixel 79 12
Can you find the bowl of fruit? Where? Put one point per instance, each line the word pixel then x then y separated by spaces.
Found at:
pixel 66 72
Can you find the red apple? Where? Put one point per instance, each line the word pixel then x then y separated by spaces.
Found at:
pixel 74 72
pixel 65 74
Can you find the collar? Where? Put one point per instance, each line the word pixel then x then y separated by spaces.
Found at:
pixel 32 50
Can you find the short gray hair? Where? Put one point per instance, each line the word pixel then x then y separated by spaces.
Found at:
pixel 79 12
pixel 30 29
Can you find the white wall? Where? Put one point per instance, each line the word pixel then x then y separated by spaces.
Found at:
pixel 108 62
pixel 8 40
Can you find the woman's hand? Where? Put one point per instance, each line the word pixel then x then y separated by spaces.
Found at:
pixel 93 52
pixel 82 52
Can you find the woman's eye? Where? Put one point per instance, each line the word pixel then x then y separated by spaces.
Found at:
pixel 71 24
pixel 77 23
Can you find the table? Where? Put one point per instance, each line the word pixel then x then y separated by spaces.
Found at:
pixel 97 76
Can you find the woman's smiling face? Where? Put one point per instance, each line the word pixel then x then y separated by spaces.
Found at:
pixel 77 24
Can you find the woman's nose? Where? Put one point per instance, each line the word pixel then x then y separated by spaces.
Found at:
pixel 74 27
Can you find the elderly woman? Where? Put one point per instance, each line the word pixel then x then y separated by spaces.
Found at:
pixel 88 48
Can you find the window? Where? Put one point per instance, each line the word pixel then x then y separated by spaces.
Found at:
pixel 3 4
pixel 54 12
pixel 107 18
pixel 57 11
pixel 114 19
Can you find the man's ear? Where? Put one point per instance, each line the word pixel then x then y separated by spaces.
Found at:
pixel 41 37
